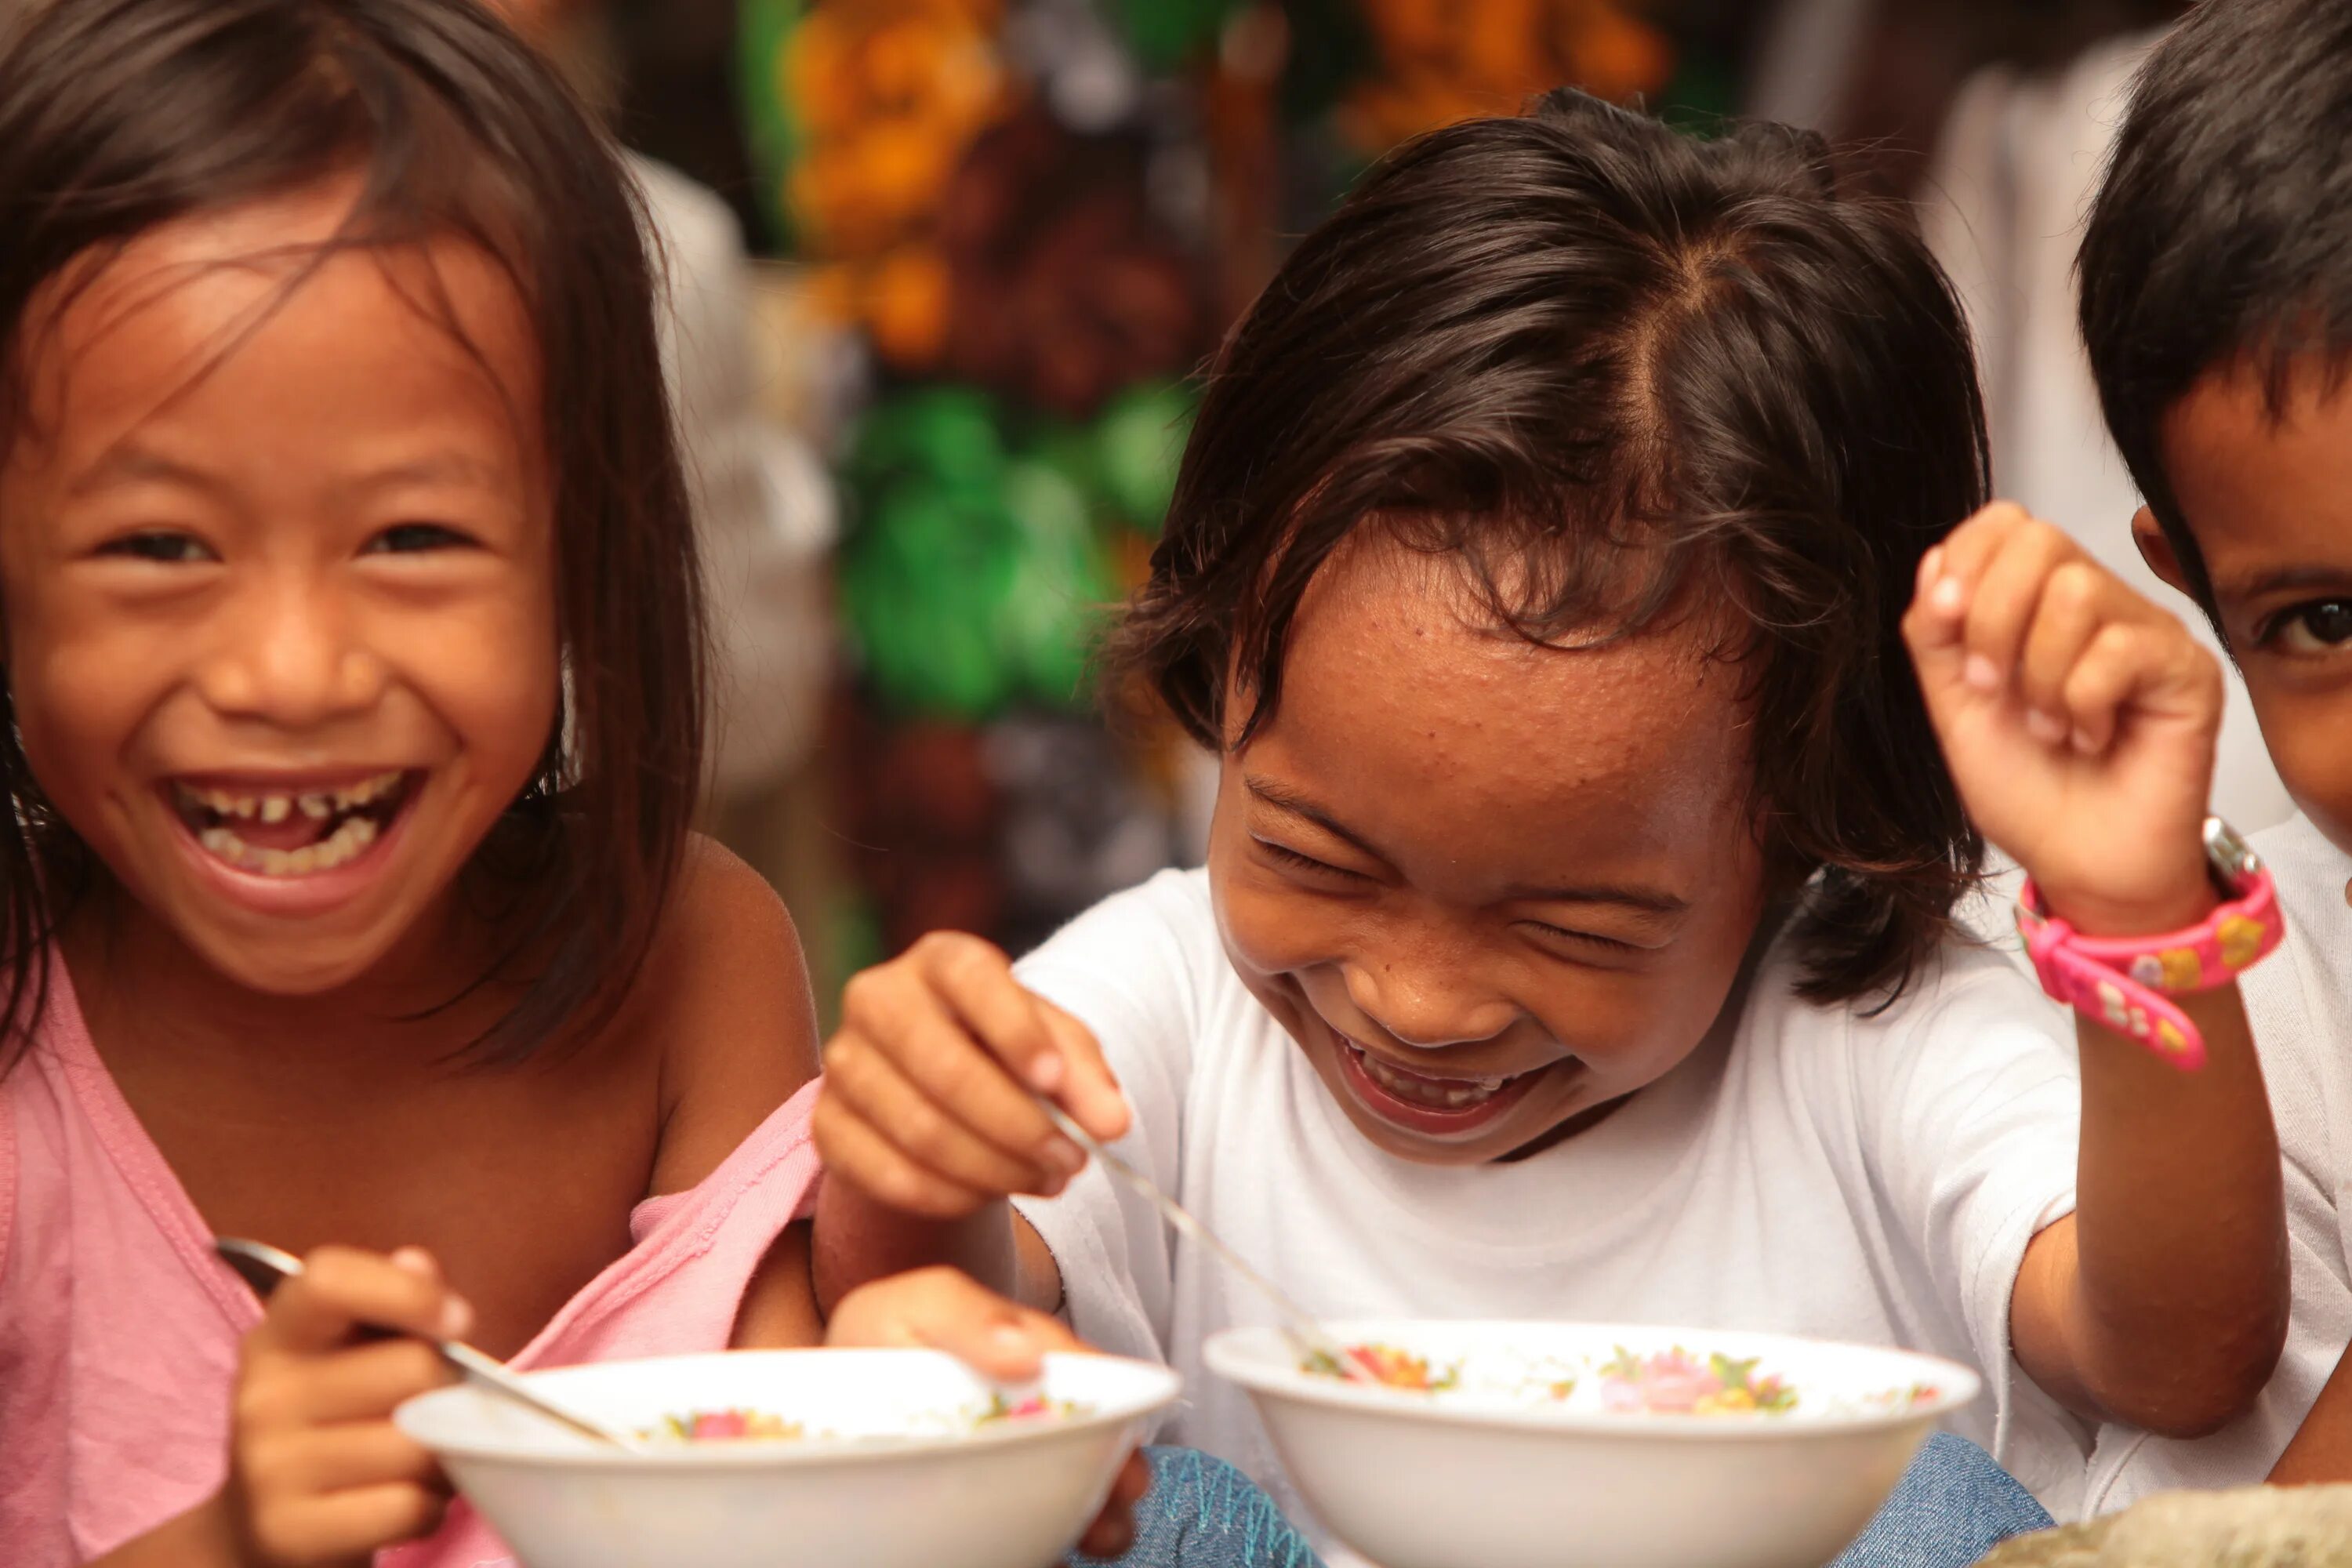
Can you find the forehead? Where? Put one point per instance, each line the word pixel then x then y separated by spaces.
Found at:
pixel 253 312
pixel 2259 483
pixel 1399 689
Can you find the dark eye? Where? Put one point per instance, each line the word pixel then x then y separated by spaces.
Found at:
pixel 2318 627
pixel 161 545
pixel 410 538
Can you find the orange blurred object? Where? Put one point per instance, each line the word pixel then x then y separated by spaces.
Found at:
pixel 1448 61
pixel 889 93
pixel 908 295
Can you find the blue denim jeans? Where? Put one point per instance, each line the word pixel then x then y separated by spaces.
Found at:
pixel 1204 1513
pixel 1953 1506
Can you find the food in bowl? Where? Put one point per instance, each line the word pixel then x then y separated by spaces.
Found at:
pixel 724 1426
pixel 1673 1381
pixel 1390 1367
pixel 1644 1447
pixel 740 1425
pixel 1036 1408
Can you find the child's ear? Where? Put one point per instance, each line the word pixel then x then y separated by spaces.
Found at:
pixel 2156 551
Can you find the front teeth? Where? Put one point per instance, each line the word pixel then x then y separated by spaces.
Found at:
pixel 341 845
pixel 1424 1092
pixel 277 808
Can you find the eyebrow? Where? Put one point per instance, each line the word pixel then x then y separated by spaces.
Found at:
pixel 2286 579
pixel 1298 805
pixel 131 464
pixel 1651 901
pixel 439 469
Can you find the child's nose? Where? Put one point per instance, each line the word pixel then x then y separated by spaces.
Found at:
pixel 289 654
pixel 1426 1010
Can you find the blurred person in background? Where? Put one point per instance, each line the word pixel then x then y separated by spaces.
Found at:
pixel 1996 116
pixel 2015 167
pixel 761 498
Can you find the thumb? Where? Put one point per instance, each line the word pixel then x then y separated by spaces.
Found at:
pixel 944 1310
pixel 342 1292
pixel 1090 1090
pixel 1934 630
pixel 1008 1345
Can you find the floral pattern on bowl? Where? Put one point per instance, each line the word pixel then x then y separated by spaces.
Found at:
pixel 725 1427
pixel 746 1426
pixel 1674 1381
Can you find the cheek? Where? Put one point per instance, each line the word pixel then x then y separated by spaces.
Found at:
pixel 2304 732
pixel 1269 934
pixel 1634 1026
pixel 485 666
pixel 1269 926
pixel 80 684
pixel 500 690
pixel 1268 930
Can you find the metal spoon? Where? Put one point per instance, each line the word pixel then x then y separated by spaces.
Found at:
pixel 264 1267
pixel 1304 1331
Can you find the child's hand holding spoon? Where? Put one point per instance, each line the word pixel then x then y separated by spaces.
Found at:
pixel 952 1086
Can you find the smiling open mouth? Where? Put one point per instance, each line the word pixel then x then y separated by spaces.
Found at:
pixel 290 832
pixel 1429 1103
pixel 1436 1093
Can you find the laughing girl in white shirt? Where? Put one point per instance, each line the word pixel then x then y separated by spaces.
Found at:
pixel 1575 936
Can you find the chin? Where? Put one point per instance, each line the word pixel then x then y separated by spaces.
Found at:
pixel 281 956
pixel 290 969
pixel 1451 1155
pixel 1424 1151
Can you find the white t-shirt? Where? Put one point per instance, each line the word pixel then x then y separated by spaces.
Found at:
pixel 2299 1004
pixel 1809 1170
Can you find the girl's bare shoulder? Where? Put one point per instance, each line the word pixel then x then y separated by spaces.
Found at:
pixel 725 1002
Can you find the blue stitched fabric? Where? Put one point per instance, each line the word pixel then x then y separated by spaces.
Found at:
pixel 1204 1513
pixel 1953 1506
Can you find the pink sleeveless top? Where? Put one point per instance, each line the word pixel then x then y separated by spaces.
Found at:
pixel 119 1328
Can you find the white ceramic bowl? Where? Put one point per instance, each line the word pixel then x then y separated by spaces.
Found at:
pixel 1506 1470
pixel 893 1472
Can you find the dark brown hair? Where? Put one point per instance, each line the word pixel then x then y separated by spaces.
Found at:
pixel 1617 372
pixel 116 116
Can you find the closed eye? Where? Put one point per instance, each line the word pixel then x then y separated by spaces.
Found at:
pixel 166 546
pixel 1585 939
pixel 415 538
pixel 1282 855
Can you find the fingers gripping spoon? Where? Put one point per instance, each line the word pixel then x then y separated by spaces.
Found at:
pixel 265 1267
pixel 1305 1332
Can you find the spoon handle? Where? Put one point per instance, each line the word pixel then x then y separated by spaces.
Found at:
pixel 1296 1322
pixel 264 1267
pixel 488 1370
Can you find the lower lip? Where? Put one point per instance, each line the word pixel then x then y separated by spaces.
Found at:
pixel 299 897
pixel 1429 1121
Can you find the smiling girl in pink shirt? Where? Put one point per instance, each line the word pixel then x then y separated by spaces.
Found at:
pixel 351 656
